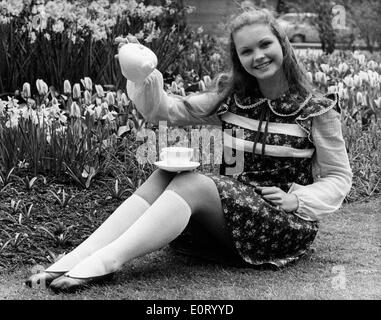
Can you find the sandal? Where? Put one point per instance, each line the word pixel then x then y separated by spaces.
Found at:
pixel 42 279
pixel 69 284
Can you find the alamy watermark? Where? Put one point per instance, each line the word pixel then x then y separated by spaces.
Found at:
pixel 197 139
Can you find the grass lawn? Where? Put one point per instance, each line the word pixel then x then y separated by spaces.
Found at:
pixel 345 264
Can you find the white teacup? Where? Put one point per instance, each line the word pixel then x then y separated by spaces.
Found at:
pixel 176 155
pixel 136 61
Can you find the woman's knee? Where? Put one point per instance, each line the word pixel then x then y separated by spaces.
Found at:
pixel 197 189
pixel 154 186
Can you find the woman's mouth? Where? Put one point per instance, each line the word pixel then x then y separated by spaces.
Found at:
pixel 262 65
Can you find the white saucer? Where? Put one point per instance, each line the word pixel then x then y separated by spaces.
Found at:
pixel 178 167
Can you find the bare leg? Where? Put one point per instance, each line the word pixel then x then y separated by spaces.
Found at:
pixel 188 194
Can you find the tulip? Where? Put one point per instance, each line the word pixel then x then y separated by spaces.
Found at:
pixel 343 93
pixel 372 82
pixel 321 77
pixel 87 97
pixel 324 67
pixel 67 87
pixel 110 115
pixel 174 87
pixel 124 99
pixel 348 80
pixel 110 98
pixel 76 91
pixel 359 98
pixel 357 81
pixel 372 65
pixel 26 90
pixel 42 87
pixel 87 83
pixel 332 89
pixel 207 81
pixel 99 91
pixel 343 67
pixel 361 58
pixel 98 111
pixel 75 111
pixel 310 77
pixel 363 76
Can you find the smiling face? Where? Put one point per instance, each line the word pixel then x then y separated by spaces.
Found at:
pixel 259 51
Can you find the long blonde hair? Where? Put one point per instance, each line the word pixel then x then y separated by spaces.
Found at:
pixel 239 80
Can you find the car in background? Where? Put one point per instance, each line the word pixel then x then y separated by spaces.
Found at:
pixel 302 27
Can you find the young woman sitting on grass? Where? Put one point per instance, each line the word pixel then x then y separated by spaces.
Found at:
pixel 295 168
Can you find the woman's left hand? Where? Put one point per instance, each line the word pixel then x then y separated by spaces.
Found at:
pixel 286 201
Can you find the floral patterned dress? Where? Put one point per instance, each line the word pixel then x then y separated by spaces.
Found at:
pixel 278 150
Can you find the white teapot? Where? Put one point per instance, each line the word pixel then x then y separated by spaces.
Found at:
pixel 136 61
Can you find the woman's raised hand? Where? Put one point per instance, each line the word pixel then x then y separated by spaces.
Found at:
pixel 120 41
pixel 135 60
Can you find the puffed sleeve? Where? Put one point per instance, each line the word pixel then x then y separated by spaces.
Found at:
pixel 333 175
pixel 156 105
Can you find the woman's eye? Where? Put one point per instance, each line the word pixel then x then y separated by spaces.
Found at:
pixel 266 44
pixel 244 52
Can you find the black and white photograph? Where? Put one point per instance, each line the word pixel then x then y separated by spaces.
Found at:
pixel 190 154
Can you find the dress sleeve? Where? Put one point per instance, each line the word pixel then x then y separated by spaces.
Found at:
pixel 333 175
pixel 156 105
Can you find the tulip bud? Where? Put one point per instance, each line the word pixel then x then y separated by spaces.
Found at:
pixel 99 91
pixel 207 81
pixel 124 99
pixel 75 111
pixel 361 58
pixel 87 83
pixel 87 97
pixel 324 67
pixel 372 65
pixel 348 80
pixel 110 98
pixel 310 77
pixel 42 87
pixel 320 77
pixel 357 81
pixel 76 91
pixel 67 87
pixel 343 67
pixel 364 76
pixel 174 87
pixel 26 90
pixel 341 93
pixel 332 89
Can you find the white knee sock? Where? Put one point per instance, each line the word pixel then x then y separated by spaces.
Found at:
pixel 117 223
pixel 162 222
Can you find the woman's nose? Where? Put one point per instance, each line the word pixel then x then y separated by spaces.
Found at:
pixel 258 57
